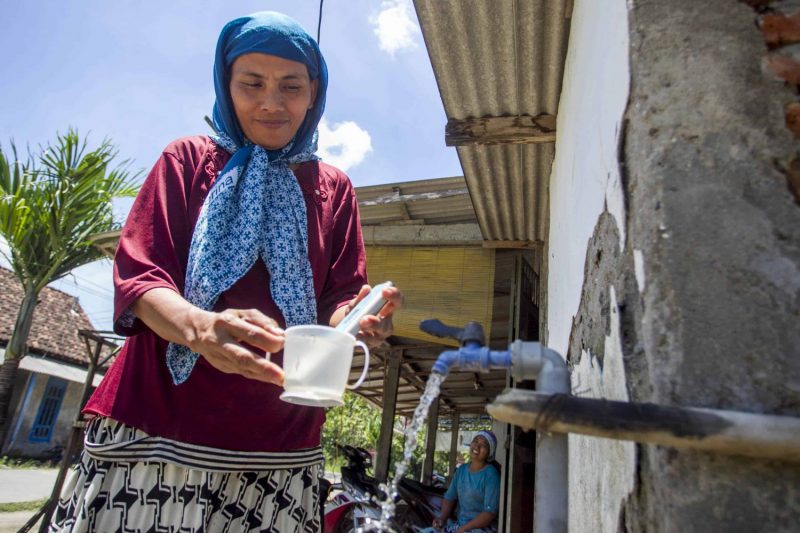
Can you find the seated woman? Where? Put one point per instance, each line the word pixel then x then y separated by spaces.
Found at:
pixel 476 489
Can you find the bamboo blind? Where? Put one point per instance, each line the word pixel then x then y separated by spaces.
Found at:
pixel 453 284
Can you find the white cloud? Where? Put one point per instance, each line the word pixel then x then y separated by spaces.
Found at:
pixel 396 26
pixel 343 145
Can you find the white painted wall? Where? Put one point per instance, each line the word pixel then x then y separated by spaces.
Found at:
pixel 585 181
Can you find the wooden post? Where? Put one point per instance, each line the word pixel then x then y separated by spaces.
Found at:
pixel 390 385
pixel 523 129
pixel 456 419
pixel 74 442
pixel 430 442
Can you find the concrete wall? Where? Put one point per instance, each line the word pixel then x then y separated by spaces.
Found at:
pixel 715 323
pixel 585 194
pixel 674 257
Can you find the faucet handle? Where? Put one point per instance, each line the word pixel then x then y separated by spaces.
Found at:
pixel 472 332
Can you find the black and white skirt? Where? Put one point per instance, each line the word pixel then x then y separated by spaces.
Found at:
pixel 129 481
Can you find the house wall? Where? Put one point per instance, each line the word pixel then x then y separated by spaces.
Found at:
pixel 20 445
pixel 674 257
pixel 586 193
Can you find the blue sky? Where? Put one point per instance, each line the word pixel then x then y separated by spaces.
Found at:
pixel 139 72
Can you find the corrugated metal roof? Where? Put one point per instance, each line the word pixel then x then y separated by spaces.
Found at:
pixel 497 58
pixel 433 201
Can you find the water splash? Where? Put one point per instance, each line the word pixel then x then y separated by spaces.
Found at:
pixel 420 415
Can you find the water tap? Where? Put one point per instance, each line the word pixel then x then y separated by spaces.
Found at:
pixel 472 355
pixel 527 360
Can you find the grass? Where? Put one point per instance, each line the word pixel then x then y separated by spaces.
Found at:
pixel 22 506
pixel 28 464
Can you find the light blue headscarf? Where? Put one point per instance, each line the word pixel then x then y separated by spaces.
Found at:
pixel 491 439
pixel 255 207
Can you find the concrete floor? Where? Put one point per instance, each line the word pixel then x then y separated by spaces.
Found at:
pixel 26 485
pixel 23 485
pixel 11 522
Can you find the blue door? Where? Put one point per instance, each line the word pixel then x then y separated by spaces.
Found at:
pixel 48 410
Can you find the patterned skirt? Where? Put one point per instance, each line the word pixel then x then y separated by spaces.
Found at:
pixel 129 481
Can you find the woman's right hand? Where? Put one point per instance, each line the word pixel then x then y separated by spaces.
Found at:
pixel 438 523
pixel 224 337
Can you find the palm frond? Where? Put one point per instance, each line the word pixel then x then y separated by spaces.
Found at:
pixel 50 205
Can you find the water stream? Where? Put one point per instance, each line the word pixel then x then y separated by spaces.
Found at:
pixel 420 415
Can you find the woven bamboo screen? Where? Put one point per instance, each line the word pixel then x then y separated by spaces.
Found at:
pixel 453 284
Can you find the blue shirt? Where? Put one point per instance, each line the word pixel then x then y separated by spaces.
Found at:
pixel 476 492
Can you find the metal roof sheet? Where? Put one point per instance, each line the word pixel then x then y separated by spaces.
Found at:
pixel 497 58
pixel 433 201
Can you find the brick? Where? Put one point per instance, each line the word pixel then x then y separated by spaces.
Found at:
pixel 783 67
pixel 780 30
pixel 793 178
pixel 793 118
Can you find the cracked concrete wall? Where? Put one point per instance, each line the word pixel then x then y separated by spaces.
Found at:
pixel 674 266
pixel 586 187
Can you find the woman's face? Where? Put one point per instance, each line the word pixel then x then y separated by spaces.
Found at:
pixel 479 449
pixel 271 96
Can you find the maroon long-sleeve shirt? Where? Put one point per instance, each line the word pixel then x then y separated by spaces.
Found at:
pixel 213 408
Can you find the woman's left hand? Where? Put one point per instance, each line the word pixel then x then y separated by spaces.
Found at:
pixel 376 328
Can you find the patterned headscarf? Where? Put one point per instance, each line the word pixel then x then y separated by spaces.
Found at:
pixel 255 207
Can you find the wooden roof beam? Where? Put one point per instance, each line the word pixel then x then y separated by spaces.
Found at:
pixel 396 197
pixel 509 244
pixel 523 129
pixel 423 235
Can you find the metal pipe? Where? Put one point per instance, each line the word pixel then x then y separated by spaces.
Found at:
pixel 529 360
pixel 472 357
pixel 712 430
pixel 550 498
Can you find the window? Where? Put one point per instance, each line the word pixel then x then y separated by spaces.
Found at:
pixel 48 410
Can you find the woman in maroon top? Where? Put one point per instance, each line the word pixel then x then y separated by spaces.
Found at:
pixel 231 239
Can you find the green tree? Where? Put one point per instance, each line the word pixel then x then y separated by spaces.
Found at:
pixel 357 423
pixel 50 206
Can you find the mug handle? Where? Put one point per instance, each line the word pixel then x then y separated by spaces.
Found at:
pixel 366 366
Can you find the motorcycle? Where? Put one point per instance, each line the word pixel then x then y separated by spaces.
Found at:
pixel 358 502
pixel 355 502
pixel 438 480
pixel 419 504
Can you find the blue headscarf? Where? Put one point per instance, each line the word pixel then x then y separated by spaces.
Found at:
pixel 255 207
pixel 275 34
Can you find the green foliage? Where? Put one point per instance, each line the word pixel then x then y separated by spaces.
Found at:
pixel 417 456
pixel 441 462
pixel 357 423
pixel 7 462
pixel 51 204
pixel 22 506
pixel 50 207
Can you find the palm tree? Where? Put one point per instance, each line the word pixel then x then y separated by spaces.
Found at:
pixel 49 207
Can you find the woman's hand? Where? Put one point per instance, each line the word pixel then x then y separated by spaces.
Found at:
pixel 377 328
pixel 229 340
pixel 438 523
pixel 226 340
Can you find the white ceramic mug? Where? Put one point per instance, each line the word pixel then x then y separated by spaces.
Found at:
pixel 316 363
